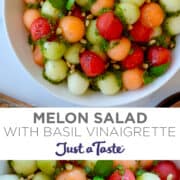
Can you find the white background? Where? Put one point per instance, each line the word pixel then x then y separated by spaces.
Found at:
pixel 141 148
pixel 15 82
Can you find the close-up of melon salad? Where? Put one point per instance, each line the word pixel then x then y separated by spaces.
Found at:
pixel 93 170
pixel 109 46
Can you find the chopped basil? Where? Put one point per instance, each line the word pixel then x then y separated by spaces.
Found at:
pixel 140 172
pixel 154 72
pixel 121 169
pixel 98 178
pixel 104 45
pixel 59 4
pixel 33 5
pixel 148 78
pixel 162 40
pixel 103 168
pixel 158 70
pixel 104 10
pixel 70 4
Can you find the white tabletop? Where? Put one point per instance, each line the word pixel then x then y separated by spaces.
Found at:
pixel 16 82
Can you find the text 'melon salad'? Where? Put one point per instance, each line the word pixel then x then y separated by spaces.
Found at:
pixel 103 45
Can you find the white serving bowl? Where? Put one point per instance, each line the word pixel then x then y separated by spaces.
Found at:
pixel 17 37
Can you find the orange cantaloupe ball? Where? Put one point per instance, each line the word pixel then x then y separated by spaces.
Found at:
pixel 146 164
pixel 31 1
pixel 38 56
pixel 132 79
pixel 100 4
pixel 29 16
pixel 119 51
pixel 74 174
pixel 152 15
pixel 73 28
pixel 127 164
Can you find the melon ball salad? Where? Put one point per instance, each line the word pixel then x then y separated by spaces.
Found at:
pixel 93 170
pixel 104 45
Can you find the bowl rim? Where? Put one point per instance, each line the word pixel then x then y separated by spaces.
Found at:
pixel 170 100
pixel 147 91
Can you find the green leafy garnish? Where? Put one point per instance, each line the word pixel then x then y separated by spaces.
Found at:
pixel 121 169
pixel 148 78
pixel 104 45
pixel 163 40
pixel 88 5
pixel 93 84
pixel 154 72
pixel 103 168
pixel 118 74
pixel 40 43
pixel 30 41
pixel 140 172
pixel 98 178
pixel 87 169
pixel 155 162
pixel 59 4
pixel 158 70
pixel 104 10
pixel 33 5
pixel 70 4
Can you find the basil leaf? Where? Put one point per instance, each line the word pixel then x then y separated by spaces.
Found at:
pixel 88 5
pixel 118 75
pixel 140 172
pixel 103 168
pixel 70 4
pixel 104 45
pixel 155 162
pixel 158 70
pixel 98 178
pixel 33 6
pixel 154 72
pixel 121 169
pixel 59 4
pixel 148 78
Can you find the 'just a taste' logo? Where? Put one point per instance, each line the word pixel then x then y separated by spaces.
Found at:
pixel 97 147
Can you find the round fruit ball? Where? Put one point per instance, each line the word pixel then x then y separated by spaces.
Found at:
pixel 73 28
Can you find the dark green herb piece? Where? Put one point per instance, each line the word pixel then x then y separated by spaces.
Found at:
pixel 98 178
pixel 79 162
pixel 148 78
pixel 30 41
pixel 154 72
pixel 163 40
pixel 87 169
pixel 155 162
pixel 103 168
pixel 118 74
pixel 104 45
pixel 40 43
pixel 93 84
pixel 70 4
pixel 121 169
pixel 33 6
pixel 158 70
pixel 88 5
pixel 59 4
pixel 140 172
pixel 58 170
pixel 104 10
